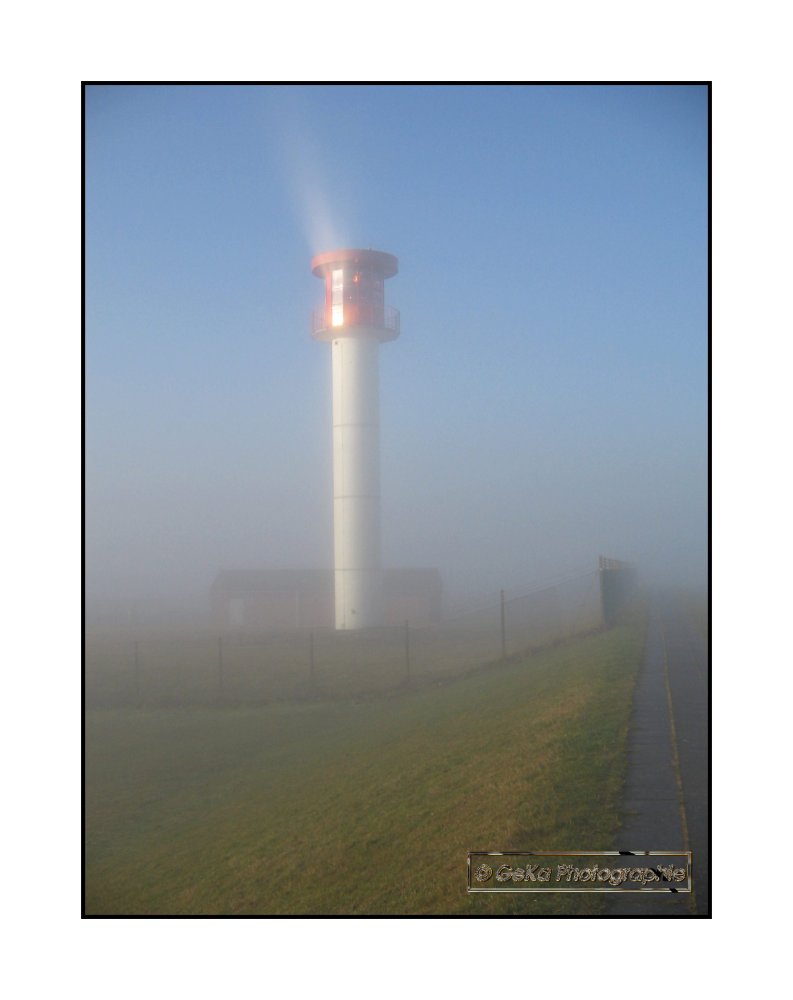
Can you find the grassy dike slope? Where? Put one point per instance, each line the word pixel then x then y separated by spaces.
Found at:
pixel 361 808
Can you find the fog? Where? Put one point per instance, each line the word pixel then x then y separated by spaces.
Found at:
pixel 546 402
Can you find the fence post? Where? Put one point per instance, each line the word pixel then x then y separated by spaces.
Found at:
pixel 137 674
pixel 220 668
pixel 311 666
pixel 503 628
pixel 407 652
pixel 602 584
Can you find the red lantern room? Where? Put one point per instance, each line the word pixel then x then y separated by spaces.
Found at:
pixel 354 295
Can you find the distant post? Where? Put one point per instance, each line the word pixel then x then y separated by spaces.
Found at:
pixel 407 652
pixel 602 586
pixel 220 668
pixel 311 666
pixel 137 674
pixel 503 628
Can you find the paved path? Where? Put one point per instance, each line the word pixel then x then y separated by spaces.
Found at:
pixel 666 797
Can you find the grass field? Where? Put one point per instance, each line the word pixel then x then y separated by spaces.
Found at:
pixel 361 807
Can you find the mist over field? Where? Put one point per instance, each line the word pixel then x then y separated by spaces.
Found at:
pixel 546 402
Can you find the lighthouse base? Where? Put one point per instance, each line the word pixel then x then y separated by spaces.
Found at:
pixel 359 599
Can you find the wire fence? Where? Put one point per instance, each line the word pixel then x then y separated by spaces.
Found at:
pixel 305 664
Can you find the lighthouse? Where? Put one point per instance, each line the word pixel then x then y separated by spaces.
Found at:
pixel 355 321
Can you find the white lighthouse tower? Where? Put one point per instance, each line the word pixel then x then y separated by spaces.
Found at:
pixel 355 321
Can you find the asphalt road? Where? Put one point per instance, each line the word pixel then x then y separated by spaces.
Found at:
pixel 666 797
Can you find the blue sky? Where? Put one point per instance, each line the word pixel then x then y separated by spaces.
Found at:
pixel 547 400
